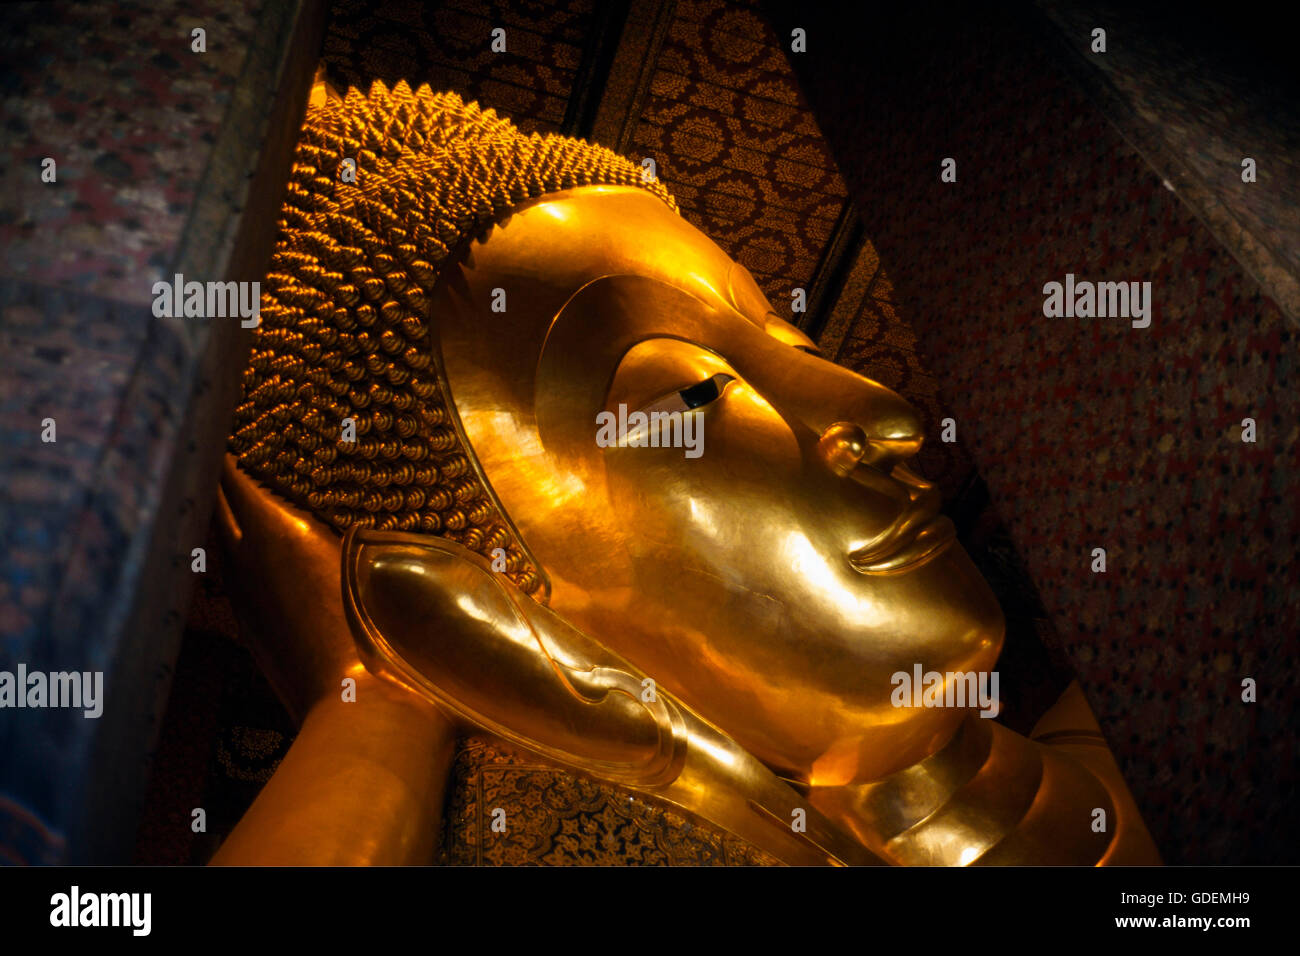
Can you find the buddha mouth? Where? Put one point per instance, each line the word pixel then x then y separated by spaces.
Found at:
pixel 920 535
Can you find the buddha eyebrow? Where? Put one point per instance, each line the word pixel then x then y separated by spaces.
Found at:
pixel 774 323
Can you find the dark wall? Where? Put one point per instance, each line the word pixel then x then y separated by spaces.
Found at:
pixel 1091 433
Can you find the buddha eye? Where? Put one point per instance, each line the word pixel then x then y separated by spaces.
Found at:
pixel 694 396
pixel 705 392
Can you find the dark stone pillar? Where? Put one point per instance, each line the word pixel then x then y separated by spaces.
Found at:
pixel 168 160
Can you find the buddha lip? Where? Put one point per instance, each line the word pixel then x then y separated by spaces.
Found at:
pixel 907 550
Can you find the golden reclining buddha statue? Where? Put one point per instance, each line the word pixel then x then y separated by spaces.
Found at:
pixel 433 533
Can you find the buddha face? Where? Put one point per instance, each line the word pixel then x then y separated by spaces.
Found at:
pixel 763 553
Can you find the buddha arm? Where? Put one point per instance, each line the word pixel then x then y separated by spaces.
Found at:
pixel 363 783
pixel 364 779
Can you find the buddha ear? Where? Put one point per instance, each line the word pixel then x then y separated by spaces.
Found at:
pixel 434 617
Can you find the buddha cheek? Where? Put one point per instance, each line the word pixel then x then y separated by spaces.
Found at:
pixel 731 489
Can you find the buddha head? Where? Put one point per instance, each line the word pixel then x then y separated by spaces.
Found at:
pixel 480 305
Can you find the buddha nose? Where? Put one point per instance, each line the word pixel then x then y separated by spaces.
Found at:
pixel 844 445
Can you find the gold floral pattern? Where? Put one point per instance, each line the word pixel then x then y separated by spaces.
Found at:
pixel 554 818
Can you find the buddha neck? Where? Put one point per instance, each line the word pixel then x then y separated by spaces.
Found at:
pixel 988 795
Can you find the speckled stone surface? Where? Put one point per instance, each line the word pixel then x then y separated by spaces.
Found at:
pixel 158 149
pixel 72 508
pixel 115 96
pixel 1194 114
pixel 1091 433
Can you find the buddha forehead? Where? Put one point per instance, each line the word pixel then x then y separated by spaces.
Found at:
pixel 495 306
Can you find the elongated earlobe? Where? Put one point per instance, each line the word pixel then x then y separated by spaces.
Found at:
pixel 432 616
